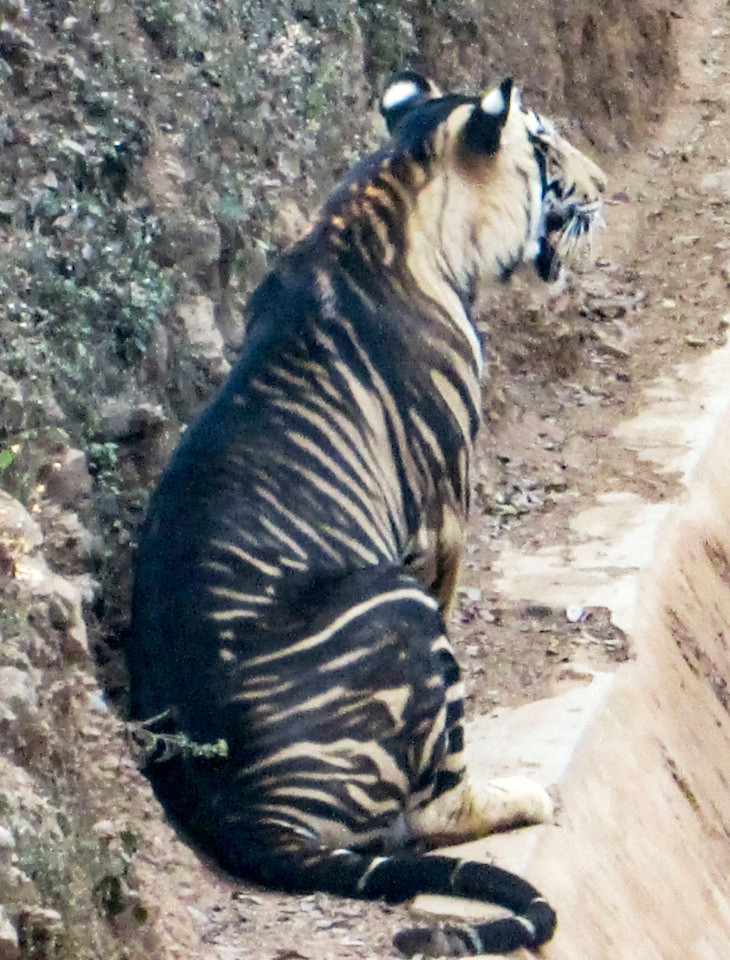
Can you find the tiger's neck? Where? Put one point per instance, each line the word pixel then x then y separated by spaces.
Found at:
pixel 369 230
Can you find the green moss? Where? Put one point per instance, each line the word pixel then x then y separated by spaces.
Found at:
pixel 104 465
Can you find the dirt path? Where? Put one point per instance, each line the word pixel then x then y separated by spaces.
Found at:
pixel 588 362
pixel 563 376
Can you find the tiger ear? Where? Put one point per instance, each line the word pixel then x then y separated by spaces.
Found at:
pixel 405 90
pixel 482 131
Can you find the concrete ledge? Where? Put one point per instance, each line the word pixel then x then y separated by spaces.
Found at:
pixel 638 863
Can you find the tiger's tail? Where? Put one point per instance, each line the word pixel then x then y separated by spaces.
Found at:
pixel 404 875
pixel 533 921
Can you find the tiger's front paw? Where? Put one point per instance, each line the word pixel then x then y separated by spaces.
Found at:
pixel 473 809
pixel 516 801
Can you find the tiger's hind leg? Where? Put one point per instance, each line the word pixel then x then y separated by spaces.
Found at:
pixel 462 807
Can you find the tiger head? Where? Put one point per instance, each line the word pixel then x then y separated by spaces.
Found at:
pixel 499 186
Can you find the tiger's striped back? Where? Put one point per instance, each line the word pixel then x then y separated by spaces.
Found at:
pixel 303 547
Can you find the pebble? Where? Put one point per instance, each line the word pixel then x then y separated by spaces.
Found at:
pixel 575 613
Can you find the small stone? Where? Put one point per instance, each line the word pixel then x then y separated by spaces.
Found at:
pixel 72 146
pixel 64 221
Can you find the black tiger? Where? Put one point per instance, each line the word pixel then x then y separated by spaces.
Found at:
pixel 301 554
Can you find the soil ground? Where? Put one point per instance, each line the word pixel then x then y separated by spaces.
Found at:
pixel 567 370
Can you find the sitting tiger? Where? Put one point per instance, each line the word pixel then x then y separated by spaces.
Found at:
pixel 297 568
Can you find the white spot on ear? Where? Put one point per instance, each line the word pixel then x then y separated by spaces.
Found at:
pixel 401 91
pixel 493 102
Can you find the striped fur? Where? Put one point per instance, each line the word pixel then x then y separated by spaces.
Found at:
pixel 302 551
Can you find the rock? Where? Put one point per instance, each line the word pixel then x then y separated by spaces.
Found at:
pixel 575 613
pixel 19 533
pixel 206 341
pixel 64 597
pixel 18 698
pixel 68 545
pixel 65 611
pixel 66 478
pixel 126 418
